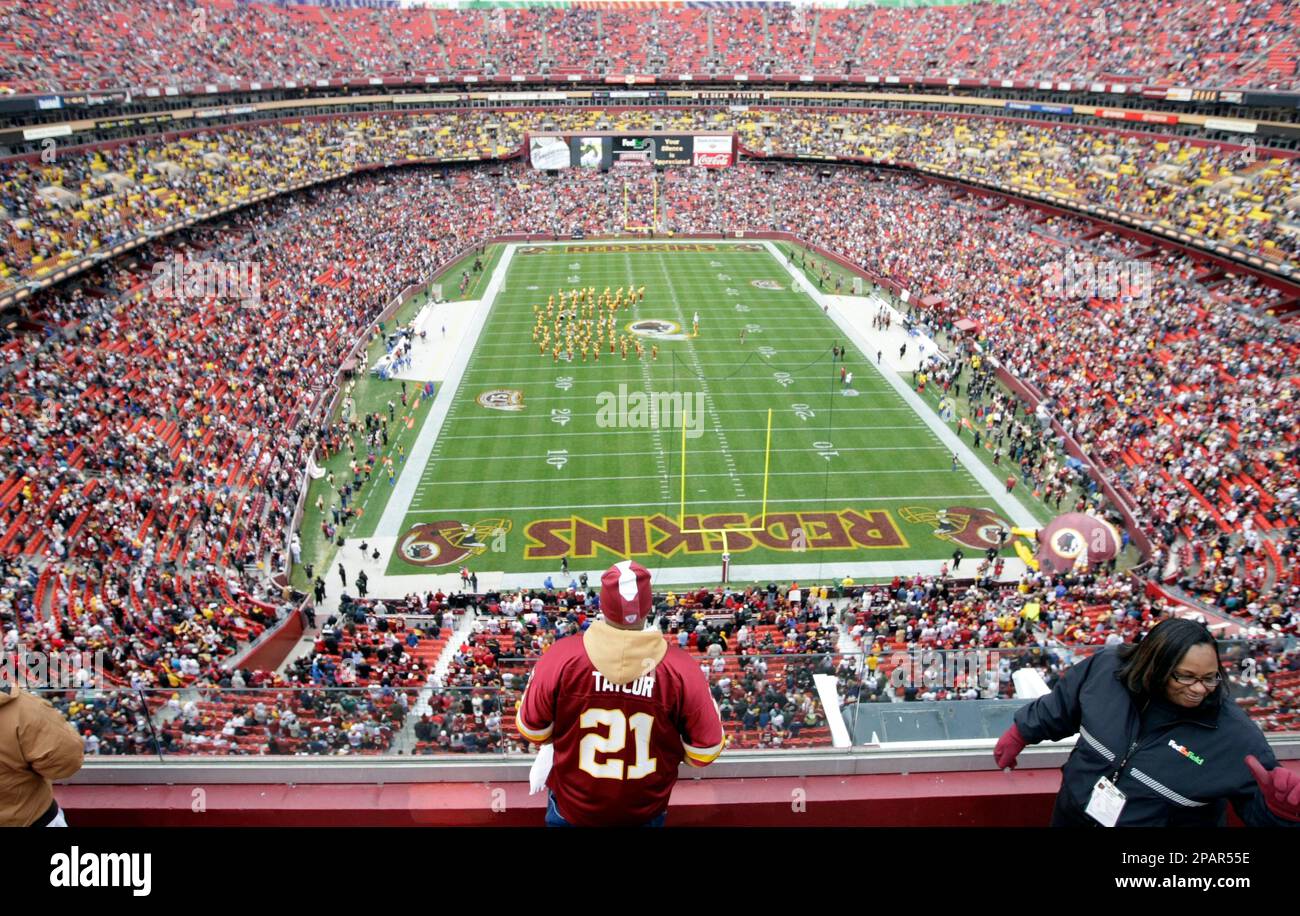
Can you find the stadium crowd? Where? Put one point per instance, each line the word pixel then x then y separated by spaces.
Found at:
pixel 92 44
pixel 158 444
pixel 1236 195
pixel 157 447
pixel 1168 388
pixel 758 651
pixel 89 199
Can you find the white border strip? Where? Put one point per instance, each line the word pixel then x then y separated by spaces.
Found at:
pixel 402 497
pixel 824 572
pixel 831 707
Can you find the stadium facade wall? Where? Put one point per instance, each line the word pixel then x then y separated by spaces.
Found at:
pixel 1122 87
pixel 1023 798
pixel 891 800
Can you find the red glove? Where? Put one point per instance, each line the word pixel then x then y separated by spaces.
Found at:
pixel 1281 789
pixel 1008 748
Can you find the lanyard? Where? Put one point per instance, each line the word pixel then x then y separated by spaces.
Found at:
pixel 1132 747
pixel 1127 754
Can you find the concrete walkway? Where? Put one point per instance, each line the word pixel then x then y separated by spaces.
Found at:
pixel 390 523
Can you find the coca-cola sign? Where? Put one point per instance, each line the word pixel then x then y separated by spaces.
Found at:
pixel 713 160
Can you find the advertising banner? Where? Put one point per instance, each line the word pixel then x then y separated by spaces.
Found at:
pixel 548 152
pixel 713 152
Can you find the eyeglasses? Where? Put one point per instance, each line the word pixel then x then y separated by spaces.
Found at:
pixel 1188 680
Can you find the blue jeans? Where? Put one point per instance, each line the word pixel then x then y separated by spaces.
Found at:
pixel 555 819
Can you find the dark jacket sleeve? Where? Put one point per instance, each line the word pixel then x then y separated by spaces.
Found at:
pixel 1056 715
pixel 1248 799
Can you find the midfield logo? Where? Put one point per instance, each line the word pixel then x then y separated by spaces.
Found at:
pixel 502 399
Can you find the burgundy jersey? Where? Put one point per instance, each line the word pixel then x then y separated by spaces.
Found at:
pixel 617 749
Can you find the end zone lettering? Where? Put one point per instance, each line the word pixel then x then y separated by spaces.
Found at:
pixel 639 535
pixel 639 246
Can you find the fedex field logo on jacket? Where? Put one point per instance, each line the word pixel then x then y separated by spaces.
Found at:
pixel 104 869
pixel 1186 753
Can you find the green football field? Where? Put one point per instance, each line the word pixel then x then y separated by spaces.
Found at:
pixel 538 460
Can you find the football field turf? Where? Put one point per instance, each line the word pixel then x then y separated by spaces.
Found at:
pixel 540 459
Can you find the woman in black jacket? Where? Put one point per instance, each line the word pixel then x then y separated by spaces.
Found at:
pixel 1160 743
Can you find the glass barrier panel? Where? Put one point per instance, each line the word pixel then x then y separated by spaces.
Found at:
pixel 768 701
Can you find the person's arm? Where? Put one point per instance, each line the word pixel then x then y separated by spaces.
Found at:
pixel 535 719
pixel 1057 714
pixel 1266 795
pixel 701 725
pixel 49 743
pixel 1051 717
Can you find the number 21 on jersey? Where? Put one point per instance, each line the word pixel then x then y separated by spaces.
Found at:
pixel 615 741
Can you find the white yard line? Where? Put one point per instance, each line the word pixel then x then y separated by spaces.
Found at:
pixel 737 451
pixel 735 429
pixel 720 410
pixel 604 383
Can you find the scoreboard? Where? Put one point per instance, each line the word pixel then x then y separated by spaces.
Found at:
pixel 605 150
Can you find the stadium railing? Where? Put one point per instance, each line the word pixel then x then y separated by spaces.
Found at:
pixel 906 702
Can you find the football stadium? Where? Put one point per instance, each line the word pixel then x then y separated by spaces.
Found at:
pixel 840 387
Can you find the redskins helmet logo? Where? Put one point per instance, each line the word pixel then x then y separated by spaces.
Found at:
pixel 447 542
pixel 967 525
pixel 1077 538
pixel 1067 542
pixel 661 328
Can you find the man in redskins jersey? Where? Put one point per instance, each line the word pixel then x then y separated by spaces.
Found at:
pixel 623 709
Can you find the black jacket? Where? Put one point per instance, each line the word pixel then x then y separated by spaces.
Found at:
pixel 1186 766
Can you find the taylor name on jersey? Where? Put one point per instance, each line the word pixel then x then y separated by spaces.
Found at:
pixel 641 687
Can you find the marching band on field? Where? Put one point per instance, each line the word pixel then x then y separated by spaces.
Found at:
pixel 580 322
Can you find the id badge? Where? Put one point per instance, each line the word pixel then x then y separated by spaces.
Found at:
pixel 1106 804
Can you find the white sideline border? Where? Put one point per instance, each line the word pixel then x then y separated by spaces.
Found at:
pixel 399 501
